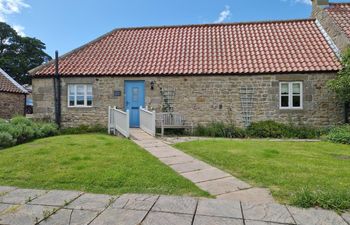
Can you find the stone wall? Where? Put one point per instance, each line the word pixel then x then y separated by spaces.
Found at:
pixel 11 104
pixel 340 39
pixel 200 99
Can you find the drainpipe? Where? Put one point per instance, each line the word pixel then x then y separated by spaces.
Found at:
pixel 346 112
pixel 57 90
pixel 25 105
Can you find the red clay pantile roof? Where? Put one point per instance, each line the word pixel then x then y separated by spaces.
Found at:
pixel 7 84
pixel 340 12
pixel 239 48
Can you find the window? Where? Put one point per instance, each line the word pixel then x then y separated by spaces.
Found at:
pixel 291 95
pixel 80 95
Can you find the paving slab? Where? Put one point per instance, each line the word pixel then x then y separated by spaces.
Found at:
pixel 190 166
pixel 206 220
pixel 135 202
pixel 205 175
pixel 163 153
pixel 94 202
pixel 223 186
pixel 4 208
pixel 161 218
pixel 21 196
pixel 252 195
pixel 175 204
pixel 26 214
pixel 346 217
pixel 56 198
pixel 219 208
pixel 252 222
pixel 5 189
pixel 267 212
pixel 177 160
pixel 70 217
pixel 316 217
pixel 115 216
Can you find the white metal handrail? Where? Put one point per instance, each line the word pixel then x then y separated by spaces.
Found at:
pixel 148 121
pixel 118 121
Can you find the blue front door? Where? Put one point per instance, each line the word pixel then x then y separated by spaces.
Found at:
pixel 134 98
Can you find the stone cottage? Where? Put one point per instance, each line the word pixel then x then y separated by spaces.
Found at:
pixel 235 73
pixel 12 97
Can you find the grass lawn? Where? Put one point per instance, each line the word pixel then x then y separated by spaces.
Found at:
pixel 300 173
pixel 93 163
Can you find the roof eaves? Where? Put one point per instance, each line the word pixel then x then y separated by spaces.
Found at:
pixel 23 90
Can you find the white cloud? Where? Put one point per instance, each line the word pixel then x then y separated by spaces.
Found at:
pixel 8 7
pixel 306 2
pixel 224 14
pixel 19 29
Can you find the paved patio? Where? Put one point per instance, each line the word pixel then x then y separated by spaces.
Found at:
pixel 29 207
pixel 218 183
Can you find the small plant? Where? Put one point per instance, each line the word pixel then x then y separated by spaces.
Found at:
pixel 110 202
pixel 47 213
pixel 339 134
pixel 29 199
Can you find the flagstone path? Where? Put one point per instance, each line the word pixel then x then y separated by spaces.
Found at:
pixel 218 183
pixel 55 207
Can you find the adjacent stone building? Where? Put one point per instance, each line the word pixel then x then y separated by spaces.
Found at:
pixel 12 97
pixel 335 19
pixel 236 73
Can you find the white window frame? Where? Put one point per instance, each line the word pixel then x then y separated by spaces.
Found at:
pixel 75 96
pixel 290 94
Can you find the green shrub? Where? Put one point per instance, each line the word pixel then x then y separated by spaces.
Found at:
pixel 47 130
pixel 83 129
pixel 340 134
pixel 22 130
pixel 267 129
pixel 334 200
pixel 272 129
pixel 219 129
pixel 263 129
pixel 6 140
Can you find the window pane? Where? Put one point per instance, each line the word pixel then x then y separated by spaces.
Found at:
pixel 71 89
pixel 135 94
pixel 296 101
pixel 296 89
pixel 284 89
pixel 89 90
pixel 284 101
pixel 89 100
pixel 80 100
pixel 80 90
pixel 71 100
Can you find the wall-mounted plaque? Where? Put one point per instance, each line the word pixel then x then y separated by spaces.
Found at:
pixel 117 93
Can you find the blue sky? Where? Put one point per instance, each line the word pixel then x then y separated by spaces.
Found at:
pixel 67 24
